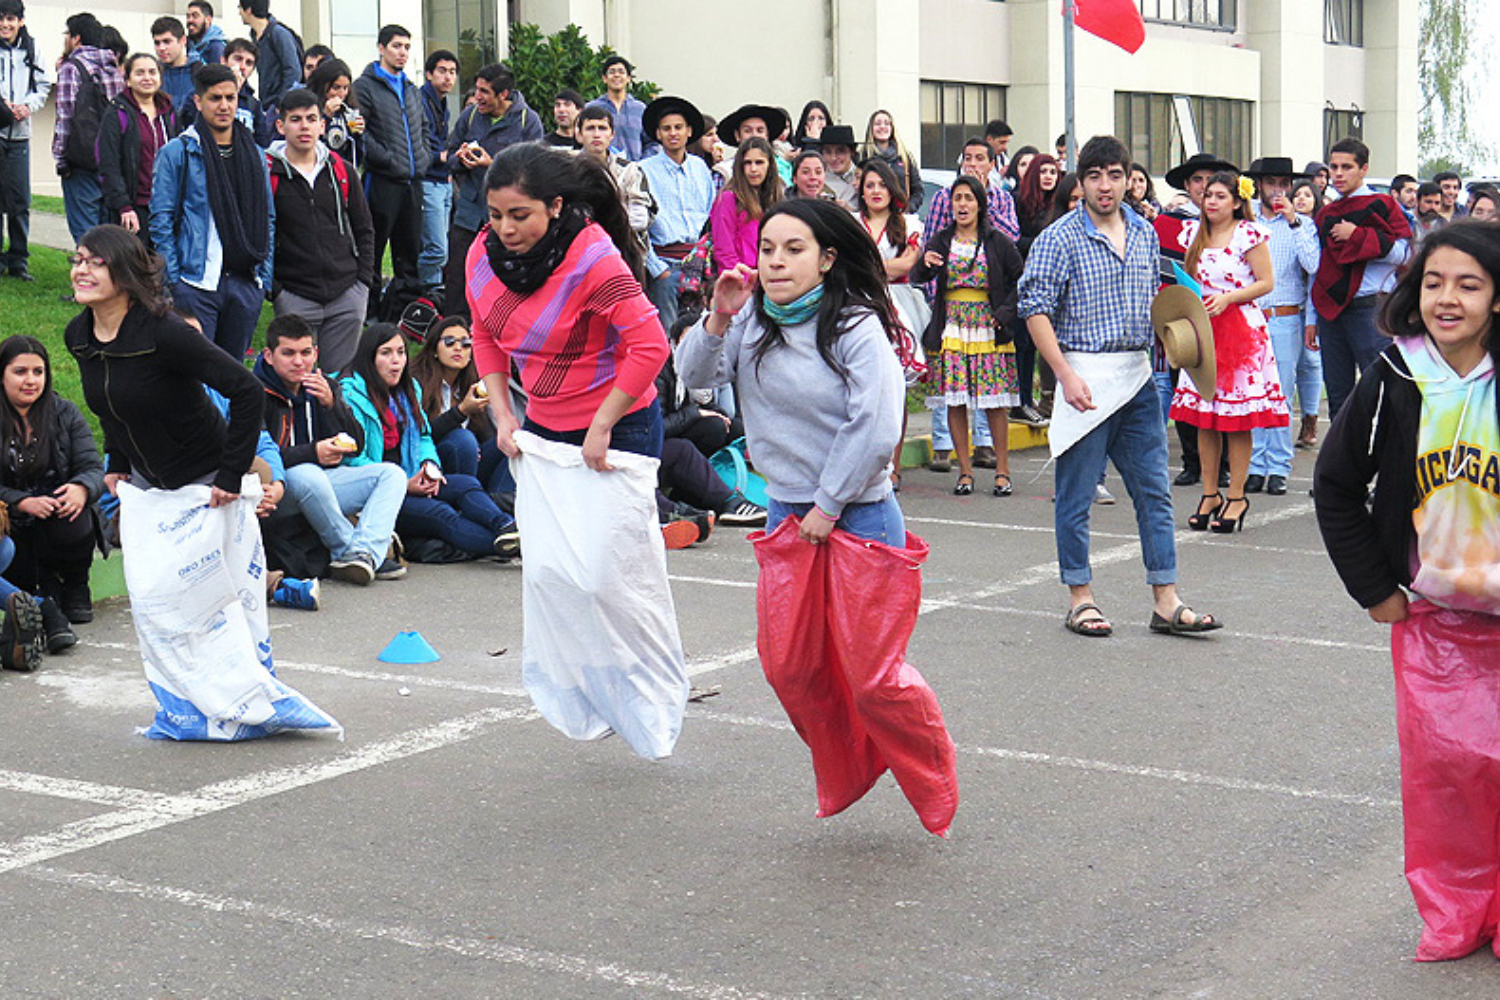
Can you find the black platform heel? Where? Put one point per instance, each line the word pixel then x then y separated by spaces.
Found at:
pixel 1201 520
pixel 1228 525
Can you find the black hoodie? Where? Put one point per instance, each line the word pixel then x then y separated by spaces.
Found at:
pixel 322 245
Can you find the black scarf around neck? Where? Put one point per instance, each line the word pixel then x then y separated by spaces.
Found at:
pixel 524 273
pixel 238 199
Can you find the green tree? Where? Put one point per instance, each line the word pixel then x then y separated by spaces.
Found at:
pixel 1447 71
pixel 545 64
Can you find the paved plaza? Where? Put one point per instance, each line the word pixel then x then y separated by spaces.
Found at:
pixel 1142 816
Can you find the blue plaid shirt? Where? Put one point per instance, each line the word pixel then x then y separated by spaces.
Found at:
pixel 1294 260
pixel 629 137
pixel 1001 206
pixel 1099 303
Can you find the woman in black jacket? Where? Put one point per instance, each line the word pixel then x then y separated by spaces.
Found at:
pixel 970 354
pixel 134 127
pixel 50 477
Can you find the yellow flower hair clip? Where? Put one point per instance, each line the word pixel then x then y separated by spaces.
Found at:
pixel 1247 189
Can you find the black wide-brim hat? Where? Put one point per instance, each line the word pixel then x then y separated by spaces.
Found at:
pixel 1274 166
pixel 1178 175
pixel 776 122
pixel 664 106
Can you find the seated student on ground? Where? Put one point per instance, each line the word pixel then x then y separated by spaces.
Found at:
pixel 316 433
pixel 51 474
pixel 697 416
pixel 452 508
pixel 458 410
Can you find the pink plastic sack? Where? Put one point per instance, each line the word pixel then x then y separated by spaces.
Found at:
pixel 1448 722
pixel 834 620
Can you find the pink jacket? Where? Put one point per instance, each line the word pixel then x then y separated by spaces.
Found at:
pixel 736 235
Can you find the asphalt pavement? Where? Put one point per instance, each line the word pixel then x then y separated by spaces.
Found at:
pixel 1142 816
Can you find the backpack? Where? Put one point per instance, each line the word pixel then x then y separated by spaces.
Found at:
pixel 340 173
pixel 79 150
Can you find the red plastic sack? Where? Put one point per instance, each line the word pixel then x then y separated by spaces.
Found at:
pixel 1448 721
pixel 834 620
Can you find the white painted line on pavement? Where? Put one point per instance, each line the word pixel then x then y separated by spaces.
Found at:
pixel 128 822
pixel 88 791
pixel 712 581
pixel 1102 766
pixel 1025 528
pixel 532 959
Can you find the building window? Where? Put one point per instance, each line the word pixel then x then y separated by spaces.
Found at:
pixel 1216 14
pixel 1152 126
pixel 952 113
pixel 1342 125
pixel 1344 22
pixel 468 29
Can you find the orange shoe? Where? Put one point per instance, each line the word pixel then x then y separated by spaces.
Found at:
pixel 679 534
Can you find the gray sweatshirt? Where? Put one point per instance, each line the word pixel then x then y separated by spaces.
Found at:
pixel 815 437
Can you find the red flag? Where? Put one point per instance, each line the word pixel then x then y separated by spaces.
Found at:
pixel 1116 21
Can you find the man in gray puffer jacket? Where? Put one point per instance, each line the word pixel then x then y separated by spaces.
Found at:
pixel 396 157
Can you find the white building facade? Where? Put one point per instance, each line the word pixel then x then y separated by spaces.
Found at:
pixel 1248 78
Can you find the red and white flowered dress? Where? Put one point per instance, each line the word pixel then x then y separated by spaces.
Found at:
pixel 1247 388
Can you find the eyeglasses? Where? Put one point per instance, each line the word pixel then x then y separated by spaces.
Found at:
pixel 83 260
pixel 464 342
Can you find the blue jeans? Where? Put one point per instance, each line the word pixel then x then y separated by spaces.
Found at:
pixel 437 205
pixel 1165 388
pixel 1350 345
pixel 979 430
pixel 15 200
pixel 1135 439
pixel 639 433
pixel 83 201
pixel 1309 380
pixel 7 553
pixel 1271 452
pixel 460 451
pixel 462 514
pixel 228 314
pixel 881 521
pixel 326 496
pixel 662 291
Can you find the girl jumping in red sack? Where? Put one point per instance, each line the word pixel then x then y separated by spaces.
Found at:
pixel 1424 557
pixel 807 339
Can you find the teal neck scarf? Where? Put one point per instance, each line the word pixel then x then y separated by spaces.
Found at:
pixel 799 310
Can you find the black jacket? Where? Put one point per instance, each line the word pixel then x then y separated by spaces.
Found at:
pixel 146 387
pixel 395 139
pixel 1373 437
pixel 1005 267
pixel 73 458
pixel 322 247
pixel 120 149
pixel 297 421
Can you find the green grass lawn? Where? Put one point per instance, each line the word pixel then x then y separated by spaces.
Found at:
pixel 47 203
pixel 37 309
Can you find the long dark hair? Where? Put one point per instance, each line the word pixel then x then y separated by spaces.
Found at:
pixel 799 134
pixel 12 425
pixel 1013 168
pixel 427 370
pixel 1031 200
pixel 135 271
pixel 853 285
pixel 544 173
pixel 754 201
pixel 1401 316
pixel 895 223
pixel 376 336
pixel 1061 195
pixel 328 71
pixel 974 187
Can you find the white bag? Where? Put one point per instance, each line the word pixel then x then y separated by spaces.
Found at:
pixel 196 579
pixel 601 650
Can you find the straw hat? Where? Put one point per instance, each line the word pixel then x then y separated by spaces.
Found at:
pixel 1182 323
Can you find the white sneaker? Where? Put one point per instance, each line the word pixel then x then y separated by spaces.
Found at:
pixel 1102 496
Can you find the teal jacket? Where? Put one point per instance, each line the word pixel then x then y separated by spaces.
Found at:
pixel 416 436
